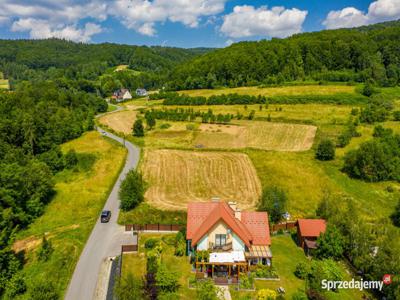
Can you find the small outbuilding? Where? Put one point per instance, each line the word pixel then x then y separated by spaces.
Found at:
pixel 308 231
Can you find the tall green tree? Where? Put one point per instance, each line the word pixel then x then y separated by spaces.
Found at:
pixel 325 150
pixel 138 129
pixel 273 200
pixel 131 192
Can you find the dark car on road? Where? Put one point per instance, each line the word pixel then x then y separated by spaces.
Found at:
pixel 105 216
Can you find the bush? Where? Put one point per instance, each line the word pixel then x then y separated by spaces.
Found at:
pixel 396 215
pixel 151 243
pixel 299 295
pixel 396 115
pixel 167 280
pixel 180 244
pixel 45 250
pixel 129 288
pixel 131 192
pixel 206 290
pixel 16 286
pixel 138 129
pixel 54 159
pixel 246 282
pixel 266 294
pixel 302 270
pixel 43 290
pixel 190 127
pixel 71 159
pixel 323 269
pixel 165 126
pixel 325 150
pixel 153 259
pixel 263 271
pixel 273 200
pixel 330 244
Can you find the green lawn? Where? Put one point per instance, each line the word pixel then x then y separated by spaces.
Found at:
pixel 286 255
pixel 111 107
pixel 136 263
pixel 70 216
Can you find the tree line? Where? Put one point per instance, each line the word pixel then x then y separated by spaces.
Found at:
pixel 34 120
pixel 174 98
pixel 350 55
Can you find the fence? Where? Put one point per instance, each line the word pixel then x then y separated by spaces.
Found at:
pixel 283 226
pixel 129 248
pixel 153 227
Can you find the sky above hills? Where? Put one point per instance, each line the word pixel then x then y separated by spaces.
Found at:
pixel 184 23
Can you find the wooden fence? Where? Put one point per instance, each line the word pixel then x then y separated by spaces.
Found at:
pixel 153 227
pixel 283 226
pixel 129 248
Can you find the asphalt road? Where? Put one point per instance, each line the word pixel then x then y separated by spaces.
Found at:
pixel 106 238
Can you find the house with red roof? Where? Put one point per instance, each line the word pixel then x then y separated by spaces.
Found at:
pixel 234 239
pixel 308 231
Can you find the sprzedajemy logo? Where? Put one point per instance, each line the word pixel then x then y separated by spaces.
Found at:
pixel 356 284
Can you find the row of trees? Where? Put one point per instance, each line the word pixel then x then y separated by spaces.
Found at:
pixel 188 114
pixel 173 98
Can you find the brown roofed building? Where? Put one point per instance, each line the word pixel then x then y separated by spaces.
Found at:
pixel 308 231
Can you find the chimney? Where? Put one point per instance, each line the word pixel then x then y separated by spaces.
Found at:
pixel 238 214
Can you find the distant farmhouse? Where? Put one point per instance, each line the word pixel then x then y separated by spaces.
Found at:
pixel 141 92
pixel 308 231
pixel 233 238
pixel 121 95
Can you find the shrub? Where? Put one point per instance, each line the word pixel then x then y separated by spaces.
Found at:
pixel 129 288
pixel 323 269
pixel 206 290
pixel 54 159
pixel 165 126
pixel 153 259
pixel 151 243
pixel 71 159
pixel 263 271
pixel 299 295
pixel 138 129
pixel 396 215
pixel 266 294
pixel 396 115
pixel 43 290
pixel 167 280
pixel 131 192
pixel 302 270
pixel 246 281
pixel 325 150
pixel 16 286
pixel 45 250
pixel 273 200
pixel 180 244
pixel 190 127
pixel 330 244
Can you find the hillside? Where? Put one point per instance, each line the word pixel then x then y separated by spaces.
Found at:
pixel 355 55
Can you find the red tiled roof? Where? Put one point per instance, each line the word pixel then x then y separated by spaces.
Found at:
pixel 257 224
pixel 311 227
pixel 252 228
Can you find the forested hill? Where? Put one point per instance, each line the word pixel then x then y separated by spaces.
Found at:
pixel 43 54
pixel 360 54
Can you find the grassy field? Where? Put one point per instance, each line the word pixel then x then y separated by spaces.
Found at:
pixel 136 263
pixel 120 121
pixel 286 255
pixel 70 216
pixel 275 91
pixel 4 84
pixel 178 177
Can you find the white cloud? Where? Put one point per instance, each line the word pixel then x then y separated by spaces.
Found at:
pixel 378 11
pixel 142 15
pixel 45 18
pixel 246 21
pixel 39 29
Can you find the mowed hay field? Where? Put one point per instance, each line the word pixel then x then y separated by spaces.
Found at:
pixel 275 91
pixel 119 121
pixel 258 135
pixel 177 177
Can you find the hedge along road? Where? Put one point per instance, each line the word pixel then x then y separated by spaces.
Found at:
pixel 106 238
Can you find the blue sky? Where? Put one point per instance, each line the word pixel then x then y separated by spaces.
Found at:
pixel 184 23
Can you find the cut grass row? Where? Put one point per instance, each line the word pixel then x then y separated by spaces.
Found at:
pixel 71 215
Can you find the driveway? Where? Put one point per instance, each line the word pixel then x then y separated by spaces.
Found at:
pixel 106 238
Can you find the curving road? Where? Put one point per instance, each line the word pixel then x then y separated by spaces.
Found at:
pixel 106 238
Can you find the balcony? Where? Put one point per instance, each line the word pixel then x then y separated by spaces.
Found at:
pixel 220 248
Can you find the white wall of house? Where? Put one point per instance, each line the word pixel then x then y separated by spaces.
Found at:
pixel 237 243
pixel 203 244
pixel 127 96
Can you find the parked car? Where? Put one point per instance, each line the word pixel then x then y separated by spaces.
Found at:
pixel 105 216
